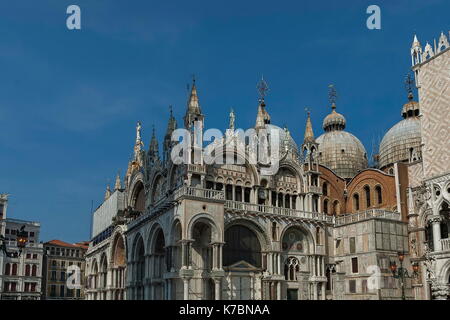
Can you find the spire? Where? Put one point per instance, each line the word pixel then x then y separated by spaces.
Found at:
pixel 193 111
pixel 193 103
pixel 309 134
pixel 153 149
pixel 172 123
pixel 108 192
pixel 263 117
pixel 118 184
pixel 416 42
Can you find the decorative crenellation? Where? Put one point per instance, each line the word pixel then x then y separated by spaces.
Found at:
pixel 418 55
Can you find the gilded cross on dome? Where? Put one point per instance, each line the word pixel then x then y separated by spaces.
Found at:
pixel 409 82
pixel 332 94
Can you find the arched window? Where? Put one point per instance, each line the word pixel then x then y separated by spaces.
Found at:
pixel 229 192
pixel 291 267
pixel 139 198
pixel 27 270
pixel 241 243
pixel 280 200
pixel 287 201
pixel 318 235
pixel 356 202
pixel 7 269
pixel 14 269
pixel 336 208
pixel 367 192
pixel 325 189
pixel 34 270
pixel 325 206
pixel 379 194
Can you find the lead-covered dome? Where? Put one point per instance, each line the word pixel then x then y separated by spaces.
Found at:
pixel 403 141
pixel 339 150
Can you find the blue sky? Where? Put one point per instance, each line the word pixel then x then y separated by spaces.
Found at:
pixel 69 100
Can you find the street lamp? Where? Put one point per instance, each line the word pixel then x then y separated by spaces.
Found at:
pixel 401 273
pixel 21 240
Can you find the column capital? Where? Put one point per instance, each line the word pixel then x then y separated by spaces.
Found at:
pixel 435 219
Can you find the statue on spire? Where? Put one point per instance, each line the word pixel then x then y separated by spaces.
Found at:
pixel 232 119
pixel 138 132
pixel 118 184
pixel 263 88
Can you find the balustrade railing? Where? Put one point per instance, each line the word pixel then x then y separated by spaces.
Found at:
pixel 199 193
pixel 368 214
pixel 259 208
pixel 196 168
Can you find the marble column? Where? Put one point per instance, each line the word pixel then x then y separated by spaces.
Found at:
pixel 186 288
pixel 436 225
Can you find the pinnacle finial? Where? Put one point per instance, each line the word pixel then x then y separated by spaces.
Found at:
pixel 309 134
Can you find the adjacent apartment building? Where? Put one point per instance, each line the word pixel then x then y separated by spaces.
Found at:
pixel 64 266
pixel 20 277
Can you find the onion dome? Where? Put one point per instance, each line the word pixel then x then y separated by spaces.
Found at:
pixel 402 142
pixel 334 121
pixel 339 150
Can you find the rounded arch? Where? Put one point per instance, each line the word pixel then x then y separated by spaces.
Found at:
pixel 156 241
pixel 157 188
pixel 118 256
pixel 137 196
pixel 367 196
pixel 296 171
pixel 444 274
pixel 241 244
pixel 176 232
pixel 240 156
pixel 94 267
pixel 138 245
pixel 301 239
pixel 260 231
pixel 216 232
pixel 336 208
pixel 378 194
pixel 103 263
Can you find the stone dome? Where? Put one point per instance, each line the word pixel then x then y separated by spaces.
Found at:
pixel 403 141
pixel 339 150
pixel 342 152
pixel 400 142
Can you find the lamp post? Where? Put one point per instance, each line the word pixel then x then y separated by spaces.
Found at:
pixel 401 273
pixel 21 240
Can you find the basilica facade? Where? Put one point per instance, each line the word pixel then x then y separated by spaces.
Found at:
pixel 324 226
